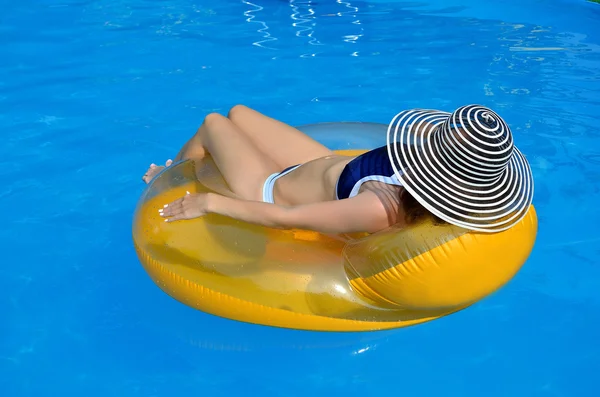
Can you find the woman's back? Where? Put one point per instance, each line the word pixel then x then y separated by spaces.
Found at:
pixel 320 180
pixel 312 182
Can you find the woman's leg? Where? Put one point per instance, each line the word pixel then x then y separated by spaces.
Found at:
pixel 278 142
pixel 284 144
pixel 242 165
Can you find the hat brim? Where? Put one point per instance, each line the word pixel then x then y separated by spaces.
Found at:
pixel 449 192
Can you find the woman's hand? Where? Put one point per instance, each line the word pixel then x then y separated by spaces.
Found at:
pixel 188 207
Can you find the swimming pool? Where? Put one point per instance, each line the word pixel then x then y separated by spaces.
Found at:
pixel 91 92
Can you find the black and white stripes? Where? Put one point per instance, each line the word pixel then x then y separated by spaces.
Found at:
pixel 462 166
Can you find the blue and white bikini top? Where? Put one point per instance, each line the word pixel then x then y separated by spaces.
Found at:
pixel 373 165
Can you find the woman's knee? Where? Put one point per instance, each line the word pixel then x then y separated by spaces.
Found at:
pixel 213 118
pixel 238 111
pixel 210 120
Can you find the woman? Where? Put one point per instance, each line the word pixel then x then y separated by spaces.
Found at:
pixel 460 167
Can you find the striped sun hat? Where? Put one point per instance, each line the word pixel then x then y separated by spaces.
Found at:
pixel 462 166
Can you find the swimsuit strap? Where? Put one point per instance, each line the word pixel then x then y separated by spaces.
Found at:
pixel 373 165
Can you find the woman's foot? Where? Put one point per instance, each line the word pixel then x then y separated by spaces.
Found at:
pixel 154 170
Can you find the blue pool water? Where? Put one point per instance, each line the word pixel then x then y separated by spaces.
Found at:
pixel 91 92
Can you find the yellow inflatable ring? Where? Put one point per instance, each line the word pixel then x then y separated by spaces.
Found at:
pixel 306 280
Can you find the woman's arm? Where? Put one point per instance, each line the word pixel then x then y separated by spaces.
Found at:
pixel 362 213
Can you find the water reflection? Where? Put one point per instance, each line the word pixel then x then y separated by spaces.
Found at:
pixel 304 20
pixel 339 20
pixel 263 26
pixel 353 12
pixel 191 331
